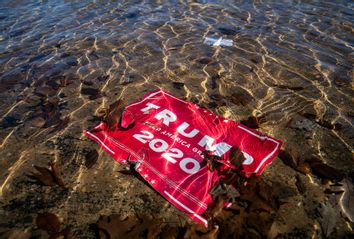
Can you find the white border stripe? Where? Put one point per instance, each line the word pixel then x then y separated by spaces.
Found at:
pixel 261 137
pixel 98 139
pixel 187 208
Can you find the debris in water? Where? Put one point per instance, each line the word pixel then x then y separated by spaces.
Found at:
pixel 218 42
pixel 113 114
pixel 47 177
pixel 114 226
pixel 48 222
pixel 92 93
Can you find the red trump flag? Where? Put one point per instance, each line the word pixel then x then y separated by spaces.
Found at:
pixel 166 137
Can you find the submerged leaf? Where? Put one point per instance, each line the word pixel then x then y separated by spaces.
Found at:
pixel 48 221
pixel 211 161
pixel 348 199
pixel 113 114
pixel 236 157
pixel 43 176
pixel 198 232
pixel 252 122
pixel 115 227
pixel 62 124
pixel 288 159
pixel 178 85
pixel 300 184
pixel 47 177
pixel 91 158
pixel 145 226
pixel 56 174
pixel 328 218
pixel 92 93
pixel 324 170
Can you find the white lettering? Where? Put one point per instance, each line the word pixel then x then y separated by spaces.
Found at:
pixel 185 161
pixel 162 145
pixel 249 159
pixel 142 137
pixel 167 116
pixel 174 153
pixel 148 107
pixel 181 129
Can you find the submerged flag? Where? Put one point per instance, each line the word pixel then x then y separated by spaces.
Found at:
pixel 166 137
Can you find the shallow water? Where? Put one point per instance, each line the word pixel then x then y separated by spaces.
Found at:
pixel 290 65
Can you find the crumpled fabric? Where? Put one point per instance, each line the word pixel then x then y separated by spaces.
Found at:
pixel 166 136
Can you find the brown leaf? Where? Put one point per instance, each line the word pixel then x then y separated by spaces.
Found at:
pixel 113 114
pixel 114 227
pixel 300 184
pixel 212 161
pixel 50 112
pixel 241 97
pixel 62 124
pixel 236 157
pixel 251 122
pixel 149 224
pixel 348 199
pixel 64 81
pixel 92 93
pixel 288 159
pixel 64 234
pixel 44 91
pixel 43 176
pixel 178 85
pixel 326 124
pixel 169 232
pixel 196 231
pixel 56 174
pixel 91 158
pixel 294 88
pixel 15 233
pixel 48 221
pixel 38 122
pixel 323 170
pixel 328 218
pixel 304 168
pixel 47 177
pixel 215 208
pixel 86 82
pixel 145 226
pixel 260 223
